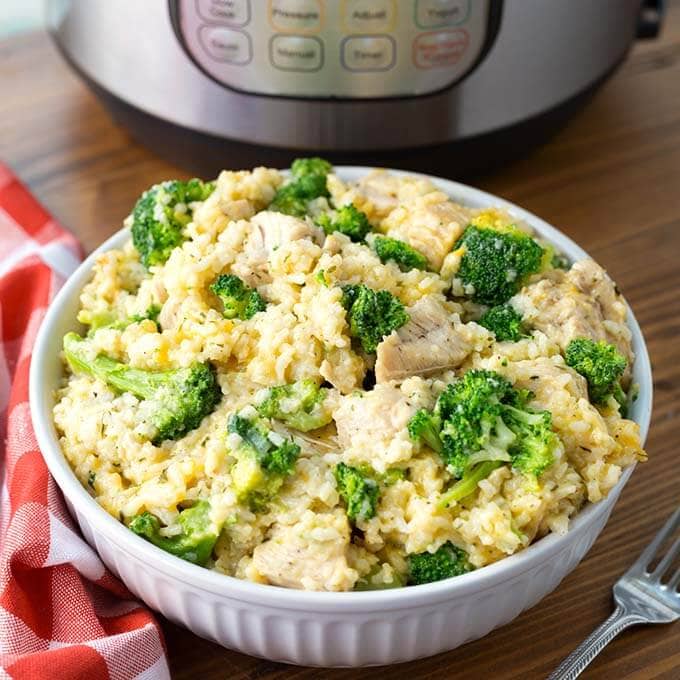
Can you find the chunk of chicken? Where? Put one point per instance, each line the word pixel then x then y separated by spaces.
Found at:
pixel 309 555
pixel 272 229
pixel 269 231
pixel 580 303
pixel 430 223
pixel 381 189
pixel 372 426
pixel 560 310
pixel 544 377
pixel 381 412
pixel 596 446
pixel 590 278
pixel 169 316
pixel 378 192
pixel 432 341
pixel 343 368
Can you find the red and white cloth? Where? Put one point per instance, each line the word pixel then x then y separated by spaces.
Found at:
pixel 62 614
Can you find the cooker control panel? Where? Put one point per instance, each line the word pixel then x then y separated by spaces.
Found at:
pixel 335 48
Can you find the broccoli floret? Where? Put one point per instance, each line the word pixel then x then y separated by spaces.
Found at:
pixel 181 397
pixel 622 400
pixel 239 301
pixel 445 562
pixel 426 426
pixel 160 216
pixel 358 490
pixel 308 181
pixel 301 405
pixel 291 199
pixel 105 318
pixel 263 460
pixel 373 580
pixel 314 166
pixel 467 485
pixel 152 313
pixel 486 419
pixel 470 411
pixel 348 220
pixel 533 450
pixel 481 419
pixel 108 319
pixel 372 314
pixel 320 276
pixel 195 543
pixel 495 264
pixel 504 322
pixel 274 453
pixel 601 364
pixel 559 261
pixel 360 487
pixel 392 476
pixel 402 253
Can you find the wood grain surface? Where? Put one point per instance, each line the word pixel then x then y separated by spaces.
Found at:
pixel 611 180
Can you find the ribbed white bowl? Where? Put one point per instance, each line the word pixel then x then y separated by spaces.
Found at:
pixel 321 629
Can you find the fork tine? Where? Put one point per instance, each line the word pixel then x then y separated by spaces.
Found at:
pixel 649 552
pixel 667 560
pixel 673 583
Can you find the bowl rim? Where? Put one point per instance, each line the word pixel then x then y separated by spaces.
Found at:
pixel 221 585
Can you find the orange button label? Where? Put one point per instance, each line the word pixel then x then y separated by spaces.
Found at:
pixel 440 49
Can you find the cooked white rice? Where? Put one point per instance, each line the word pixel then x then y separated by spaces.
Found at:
pixel 303 333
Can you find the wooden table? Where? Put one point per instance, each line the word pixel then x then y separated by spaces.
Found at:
pixel 611 180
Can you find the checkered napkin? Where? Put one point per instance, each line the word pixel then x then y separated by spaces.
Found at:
pixel 62 614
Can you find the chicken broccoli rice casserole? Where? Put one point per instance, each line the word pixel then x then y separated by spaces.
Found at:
pixel 323 385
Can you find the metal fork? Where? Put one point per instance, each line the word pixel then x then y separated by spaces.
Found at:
pixel 640 597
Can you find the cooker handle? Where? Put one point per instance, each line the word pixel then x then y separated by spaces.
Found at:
pixel 650 18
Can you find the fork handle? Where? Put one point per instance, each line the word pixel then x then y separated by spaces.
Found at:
pixel 577 661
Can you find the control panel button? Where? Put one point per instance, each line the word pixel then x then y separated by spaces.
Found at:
pixel 226 44
pixel 368 53
pixel 296 16
pixel 441 13
pixel 296 53
pixel 444 48
pixel 369 16
pixel 230 12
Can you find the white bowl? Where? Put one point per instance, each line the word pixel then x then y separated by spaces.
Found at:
pixel 321 629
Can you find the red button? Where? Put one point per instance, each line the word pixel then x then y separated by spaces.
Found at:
pixel 440 49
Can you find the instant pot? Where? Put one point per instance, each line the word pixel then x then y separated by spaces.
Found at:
pixel 458 85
